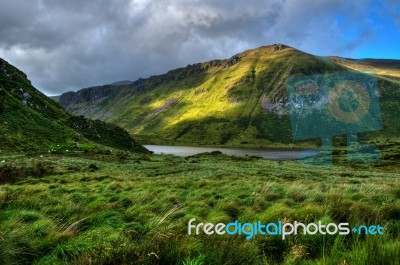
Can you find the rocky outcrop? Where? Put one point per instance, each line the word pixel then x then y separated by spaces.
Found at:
pixel 14 73
pixel 279 47
pixel 87 94
pixel 232 61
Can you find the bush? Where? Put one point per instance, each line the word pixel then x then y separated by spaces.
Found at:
pixel 10 173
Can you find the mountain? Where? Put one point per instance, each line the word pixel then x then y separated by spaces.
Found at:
pixel 122 83
pixel 30 121
pixel 385 68
pixel 237 101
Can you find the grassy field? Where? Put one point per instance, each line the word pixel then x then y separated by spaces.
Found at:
pixel 126 208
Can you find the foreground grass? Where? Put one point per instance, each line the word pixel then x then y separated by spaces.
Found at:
pixel 134 209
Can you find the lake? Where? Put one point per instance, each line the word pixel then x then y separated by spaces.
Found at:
pixel 274 154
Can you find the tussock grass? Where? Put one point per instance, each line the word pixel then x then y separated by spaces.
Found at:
pixel 125 212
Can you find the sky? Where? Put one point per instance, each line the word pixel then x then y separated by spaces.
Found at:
pixel 68 45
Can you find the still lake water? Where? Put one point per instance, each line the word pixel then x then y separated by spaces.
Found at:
pixel 193 150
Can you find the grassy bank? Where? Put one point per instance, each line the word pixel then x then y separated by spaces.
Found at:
pixel 133 209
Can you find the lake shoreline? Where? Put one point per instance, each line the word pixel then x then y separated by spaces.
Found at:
pixel 270 153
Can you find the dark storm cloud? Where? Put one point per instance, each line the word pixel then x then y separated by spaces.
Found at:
pixel 66 45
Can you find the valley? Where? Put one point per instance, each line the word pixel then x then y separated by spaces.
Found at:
pixel 75 188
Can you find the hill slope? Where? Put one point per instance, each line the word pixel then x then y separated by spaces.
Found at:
pixel 31 121
pixel 385 68
pixel 237 101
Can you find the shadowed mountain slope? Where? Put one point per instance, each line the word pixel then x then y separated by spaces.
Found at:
pixel 30 121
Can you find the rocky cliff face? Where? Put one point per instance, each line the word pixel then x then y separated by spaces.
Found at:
pixel 87 94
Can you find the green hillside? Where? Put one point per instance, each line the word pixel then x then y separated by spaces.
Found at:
pixel 29 121
pixel 385 68
pixel 234 102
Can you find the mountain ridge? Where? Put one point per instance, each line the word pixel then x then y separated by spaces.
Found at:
pixel 189 69
pixel 237 101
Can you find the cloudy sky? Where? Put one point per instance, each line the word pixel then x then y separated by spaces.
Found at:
pixel 68 45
